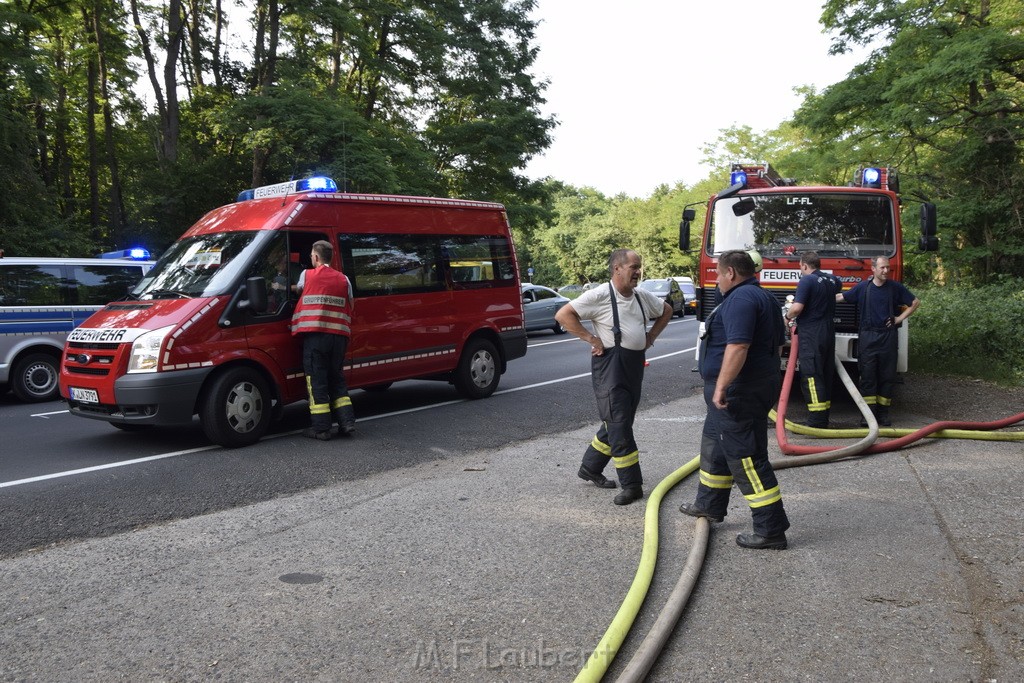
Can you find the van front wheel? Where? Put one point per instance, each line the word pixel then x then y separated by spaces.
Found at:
pixel 236 409
pixel 477 375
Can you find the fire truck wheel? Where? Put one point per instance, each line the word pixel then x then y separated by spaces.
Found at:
pixel 236 408
pixel 34 378
pixel 477 375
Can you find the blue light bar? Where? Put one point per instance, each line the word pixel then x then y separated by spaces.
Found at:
pixel 738 178
pixel 872 177
pixel 135 253
pixel 314 184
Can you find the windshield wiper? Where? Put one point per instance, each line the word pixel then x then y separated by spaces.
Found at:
pixel 168 294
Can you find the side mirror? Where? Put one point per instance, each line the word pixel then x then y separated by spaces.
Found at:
pixel 928 241
pixel 928 219
pixel 684 229
pixel 256 294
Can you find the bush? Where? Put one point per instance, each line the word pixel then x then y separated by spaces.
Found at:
pixel 971 331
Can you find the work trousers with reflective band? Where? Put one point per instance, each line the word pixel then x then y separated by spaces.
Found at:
pixel 734 449
pixel 817 350
pixel 323 355
pixel 876 360
pixel 618 375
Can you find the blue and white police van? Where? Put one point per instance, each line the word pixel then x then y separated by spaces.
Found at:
pixel 42 299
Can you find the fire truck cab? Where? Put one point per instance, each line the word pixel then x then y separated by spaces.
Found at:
pixel 848 226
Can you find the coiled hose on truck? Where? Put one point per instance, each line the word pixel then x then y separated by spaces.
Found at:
pixel 647 653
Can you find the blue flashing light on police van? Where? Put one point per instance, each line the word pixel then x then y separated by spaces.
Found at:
pixel 314 184
pixel 135 254
pixel 738 178
pixel 872 177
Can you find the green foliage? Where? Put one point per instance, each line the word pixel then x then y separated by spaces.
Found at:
pixel 393 96
pixel 941 98
pixel 971 331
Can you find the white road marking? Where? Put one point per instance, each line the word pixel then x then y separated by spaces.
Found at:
pixel 137 461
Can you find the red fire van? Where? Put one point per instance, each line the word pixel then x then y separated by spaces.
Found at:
pixel 206 332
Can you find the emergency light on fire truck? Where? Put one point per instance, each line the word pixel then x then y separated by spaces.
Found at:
pixel 314 184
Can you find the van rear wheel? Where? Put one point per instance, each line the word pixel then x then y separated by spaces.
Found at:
pixel 34 378
pixel 236 409
pixel 477 375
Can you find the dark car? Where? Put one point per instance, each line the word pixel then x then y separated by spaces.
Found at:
pixel 540 305
pixel 667 289
pixel 689 294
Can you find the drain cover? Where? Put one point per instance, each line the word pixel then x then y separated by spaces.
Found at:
pixel 300 577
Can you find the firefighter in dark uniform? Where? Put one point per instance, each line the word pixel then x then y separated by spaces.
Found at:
pixel 619 312
pixel 814 308
pixel 877 301
pixel 739 362
pixel 323 318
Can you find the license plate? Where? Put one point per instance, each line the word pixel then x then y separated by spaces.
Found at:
pixel 85 395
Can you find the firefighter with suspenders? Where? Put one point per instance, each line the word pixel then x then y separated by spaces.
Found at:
pixel 323 318
pixel 617 366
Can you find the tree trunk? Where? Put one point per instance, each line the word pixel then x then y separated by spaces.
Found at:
pixel 172 123
pixel 261 155
pixel 154 82
pixel 92 153
pixel 195 42
pixel 115 217
pixel 218 27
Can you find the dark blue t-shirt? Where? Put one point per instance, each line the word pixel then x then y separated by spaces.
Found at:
pixel 817 292
pixel 747 315
pixel 875 304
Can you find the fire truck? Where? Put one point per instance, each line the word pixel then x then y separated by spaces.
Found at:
pixel 847 226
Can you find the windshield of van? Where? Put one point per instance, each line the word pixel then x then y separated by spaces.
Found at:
pixel 839 224
pixel 203 265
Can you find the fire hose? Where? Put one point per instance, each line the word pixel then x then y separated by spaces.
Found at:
pixel 649 649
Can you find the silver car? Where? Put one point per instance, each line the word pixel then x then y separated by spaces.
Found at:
pixel 540 305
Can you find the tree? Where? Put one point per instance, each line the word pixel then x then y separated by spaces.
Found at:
pixel 941 97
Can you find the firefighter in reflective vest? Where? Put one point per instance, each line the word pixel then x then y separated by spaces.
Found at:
pixel 814 309
pixel 323 318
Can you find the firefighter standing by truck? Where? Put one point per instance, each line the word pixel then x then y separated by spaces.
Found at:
pixel 323 317
pixel 877 300
pixel 739 361
pixel 617 364
pixel 814 308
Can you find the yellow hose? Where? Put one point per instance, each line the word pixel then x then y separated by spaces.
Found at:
pixel 976 435
pixel 597 664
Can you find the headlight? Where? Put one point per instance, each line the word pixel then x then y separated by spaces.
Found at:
pixel 146 350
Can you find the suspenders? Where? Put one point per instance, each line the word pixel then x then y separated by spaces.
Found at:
pixel 616 330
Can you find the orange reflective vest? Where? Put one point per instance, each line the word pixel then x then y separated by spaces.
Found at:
pixel 325 304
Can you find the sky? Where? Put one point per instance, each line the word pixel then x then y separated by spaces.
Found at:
pixel 639 87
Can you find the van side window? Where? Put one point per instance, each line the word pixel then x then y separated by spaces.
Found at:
pixel 479 259
pixel 98 285
pixel 391 264
pixel 24 285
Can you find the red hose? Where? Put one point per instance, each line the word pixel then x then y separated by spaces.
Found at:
pixel 789 449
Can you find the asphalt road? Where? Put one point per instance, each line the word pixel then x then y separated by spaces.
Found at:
pixel 455 543
pixel 167 474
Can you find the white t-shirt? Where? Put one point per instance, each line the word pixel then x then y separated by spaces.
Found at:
pixel 595 305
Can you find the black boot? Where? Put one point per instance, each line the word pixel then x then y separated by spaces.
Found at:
pixel 346 418
pixel 629 494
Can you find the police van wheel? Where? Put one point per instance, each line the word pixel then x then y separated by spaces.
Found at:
pixel 236 409
pixel 478 374
pixel 34 378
